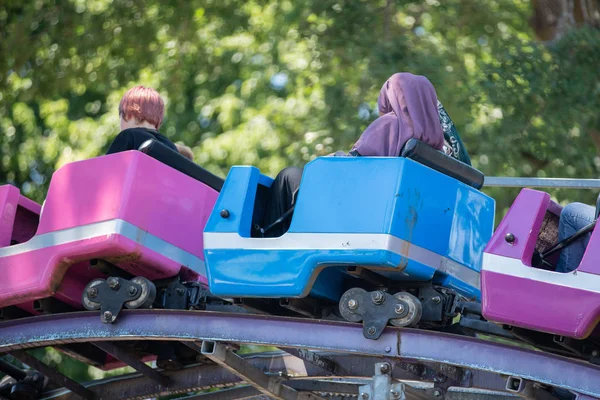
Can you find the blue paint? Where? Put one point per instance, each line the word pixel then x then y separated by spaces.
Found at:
pixel 265 180
pixel 360 195
pixel 297 268
pixel 237 196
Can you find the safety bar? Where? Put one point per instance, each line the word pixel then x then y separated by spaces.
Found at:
pixel 562 183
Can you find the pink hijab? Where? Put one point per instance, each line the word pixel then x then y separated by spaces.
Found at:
pixel 409 103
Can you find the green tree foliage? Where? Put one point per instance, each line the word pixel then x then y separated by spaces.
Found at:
pixel 278 82
pixel 273 83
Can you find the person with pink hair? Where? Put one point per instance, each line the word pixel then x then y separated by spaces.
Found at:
pixel 141 111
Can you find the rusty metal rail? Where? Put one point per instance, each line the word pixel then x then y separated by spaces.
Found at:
pixel 447 364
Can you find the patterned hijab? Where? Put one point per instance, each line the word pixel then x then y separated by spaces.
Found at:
pixel 453 146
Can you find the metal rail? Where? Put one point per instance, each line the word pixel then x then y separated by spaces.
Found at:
pixel 395 343
pixel 559 183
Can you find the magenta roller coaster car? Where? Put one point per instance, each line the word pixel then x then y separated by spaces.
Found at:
pixel 517 294
pixel 127 208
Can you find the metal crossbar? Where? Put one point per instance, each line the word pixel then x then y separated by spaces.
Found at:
pixel 270 386
pixel 131 360
pixel 558 183
pixel 54 375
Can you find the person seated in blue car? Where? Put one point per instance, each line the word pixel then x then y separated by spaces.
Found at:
pixel 408 107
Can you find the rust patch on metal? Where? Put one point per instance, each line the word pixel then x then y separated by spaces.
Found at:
pixel 126 258
pixel 414 204
pixel 57 276
pixel 131 263
pixel 127 262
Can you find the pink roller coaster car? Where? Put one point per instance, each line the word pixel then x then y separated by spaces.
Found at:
pixel 518 294
pixel 104 215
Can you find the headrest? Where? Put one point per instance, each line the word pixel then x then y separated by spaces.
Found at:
pixel 175 160
pixel 434 159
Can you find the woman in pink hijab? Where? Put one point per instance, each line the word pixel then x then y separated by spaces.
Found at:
pixel 408 109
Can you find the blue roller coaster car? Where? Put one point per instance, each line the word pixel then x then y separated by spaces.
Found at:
pixel 415 221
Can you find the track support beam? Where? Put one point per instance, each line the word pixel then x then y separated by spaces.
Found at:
pixel 382 388
pixel 270 386
pixel 526 389
pixel 54 375
pixel 131 360
pixel 313 358
pixel 237 393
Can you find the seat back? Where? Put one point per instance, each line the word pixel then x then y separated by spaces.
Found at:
pixel 175 160
pixel 432 158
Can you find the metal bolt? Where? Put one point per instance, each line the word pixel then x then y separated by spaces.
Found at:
pixel 399 308
pixel 388 349
pixel 378 297
pixel 394 393
pixel 510 238
pixel 107 316
pixel 384 368
pixel 436 299
pixel 92 292
pixel 437 393
pixel 225 214
pixel 132 291
pixel 364 396
pixel 113 283
pixel 595 353
pixel 180 291
pixel 352 304
pixel 371 331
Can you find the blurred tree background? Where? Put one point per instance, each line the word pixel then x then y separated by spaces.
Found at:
pixel 278 82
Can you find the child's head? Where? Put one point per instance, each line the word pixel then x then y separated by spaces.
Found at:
pixel 185 151
pixel 141 107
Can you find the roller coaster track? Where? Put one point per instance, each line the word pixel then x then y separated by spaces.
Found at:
pixel 317 359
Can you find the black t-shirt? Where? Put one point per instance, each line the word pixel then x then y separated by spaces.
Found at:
pixel 133 138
